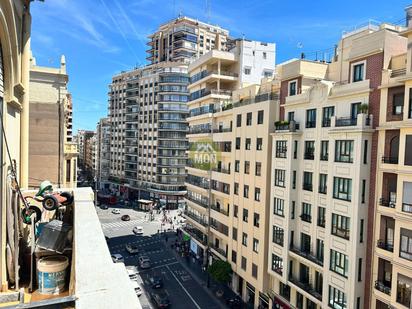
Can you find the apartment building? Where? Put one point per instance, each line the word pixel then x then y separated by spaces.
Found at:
pixel 231 116
pixel 52 154
pixel 103 153
pixel 323 173
pixel 391 279
pixel 184 39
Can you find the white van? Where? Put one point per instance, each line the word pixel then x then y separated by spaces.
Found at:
pixel 132 272
pixel 137 288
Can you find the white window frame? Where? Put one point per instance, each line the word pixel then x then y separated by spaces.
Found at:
pixel 353 67
pixel 293 81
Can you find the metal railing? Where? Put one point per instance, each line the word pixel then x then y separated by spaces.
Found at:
pixel 387 203
pixel 390 160
pixel 218 209
pixel 340 232
pixel 407 207
pixel 307 255
pixel 346 122
pixel 380 286
pixel 306 286
pixel 385 245
pixel 219 250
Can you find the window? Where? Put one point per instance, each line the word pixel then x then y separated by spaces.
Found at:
pixel 320 249
pixel 323 180
pixel 358 72
pixel 406 244
pixel 279 178
pixel 328 113
pixel 246 191
pixel 234 233
pixel 324 150
pixel 294 180
pixel 249 119
pixel 234 256
pixel 295 149
pixel 299 300
pixel 344 151
pixel 256 219
pixel 278 235
pixel 247 71
pixel 291 116
pixel 292 215
pixel 361 231
pixel 235 211
pixel 365 152
pixel 278 207
pixel 359 269
pixel 254 270
pixel 277 264
pixel 404 291
pixel 258 169
pixel 337 299
pixel 247 144
pixel 243 263
pixel 237 143
pixel 292 87
pixel 244 239
pixel 280 149
pixel 257 194
pixel 398 99
pixel 321 216
pixel 284 291
pixel 342 188
pixel 408 154
pixel 339 263
pixel 309 150
pixel 247 167
pixel 255 245
pixel 306 212
pixel 68 170
pixel 307 181
pixel 311 118
pixel 238 120
pixel 264 55
pixel 259 142
pixel 355 110
pixel 363 191
pixel 340 226
pixel 410 104
pixel 236 189
pixel 237 166
pixel 245 215
pixel 260 117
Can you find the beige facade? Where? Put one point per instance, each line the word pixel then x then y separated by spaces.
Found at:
pixel 52 154
pixel 227 205
pixel 103 152
pixel 392 262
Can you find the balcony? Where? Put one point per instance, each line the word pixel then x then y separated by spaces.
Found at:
pixel 309 156
pixel 382 287
pixel 196 234
pixel 307 287
pixel 203 203
pixel 286 126
pixel 219 209
pixel 385 245
pixel 407 207
pixel 398 72
pixel 220 251
pixel 306 254
pixel 346 122
pixel 391 150
pixel 221 170
pixel 384 278
pixel 95 281
pixel 390 160
pixel 345 88
pixel 306 218
pixel 196 218
pixel 387 203
pixel 219 227
pixel 340 232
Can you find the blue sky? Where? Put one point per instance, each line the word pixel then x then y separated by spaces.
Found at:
pixel 102 37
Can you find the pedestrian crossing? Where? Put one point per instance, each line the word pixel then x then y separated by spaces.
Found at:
pixel 122 224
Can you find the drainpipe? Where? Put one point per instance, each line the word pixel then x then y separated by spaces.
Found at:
pixel 25 80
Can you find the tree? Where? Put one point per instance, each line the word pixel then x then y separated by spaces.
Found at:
pixel 220 271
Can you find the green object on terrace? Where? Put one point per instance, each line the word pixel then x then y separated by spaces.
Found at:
pixel 44 186
pixel 186 237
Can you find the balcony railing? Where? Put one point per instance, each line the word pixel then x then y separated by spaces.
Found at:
pixel 307 255
pixel 326 123
pixel 306 218
pixel 221 170
pixel 221 228
pixel 341 232
pixel 398 72
pixel 196 218
pixel 346 122
pixel 307 186
pixel 380 286
pixel 310 124
pixel 309 156
pixel 407 207
pixel 221 210
pixel 219 250
pixel 196 234
pixel 385 245
pixel 202 203
pixel 390 160
pixel 306 287
pixel 291 127
pixel 387 203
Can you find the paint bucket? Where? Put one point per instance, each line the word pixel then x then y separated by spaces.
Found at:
pixel 52 274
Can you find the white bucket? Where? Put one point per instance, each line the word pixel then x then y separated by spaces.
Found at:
pixel 52 274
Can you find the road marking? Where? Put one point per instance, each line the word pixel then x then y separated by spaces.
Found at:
pixel 184 289
pixel 166 265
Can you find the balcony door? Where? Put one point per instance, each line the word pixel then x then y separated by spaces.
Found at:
pixel 355 110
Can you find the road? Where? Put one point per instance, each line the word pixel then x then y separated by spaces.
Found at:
pixel 182 289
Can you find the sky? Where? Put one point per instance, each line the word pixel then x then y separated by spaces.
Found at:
pixel 103 37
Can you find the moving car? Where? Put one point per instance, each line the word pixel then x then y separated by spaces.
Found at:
pixel 160 299
pixel 137 288
pixel 144 262
pixel 156 282
pixel 132 272
pixel 117 258
pixel 116 211
pixel 125 218
pixel 138 230
pixel 132 249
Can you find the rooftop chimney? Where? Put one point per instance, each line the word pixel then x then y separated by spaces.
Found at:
pixel 408 10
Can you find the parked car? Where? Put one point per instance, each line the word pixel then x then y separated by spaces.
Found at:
pixel 144 262
pixel 156 282
pixel 116 211
pixel 137 288
pixel 138 230
pixel 132 249
pixel 104 207
pixel 132 272
pixel 160 299
pixel 234 302
pixel 125 218
pixel 117 258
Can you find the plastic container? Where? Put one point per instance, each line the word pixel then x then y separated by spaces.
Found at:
pixel 52 272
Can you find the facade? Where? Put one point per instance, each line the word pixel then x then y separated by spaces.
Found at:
pixel 103 152
pixel 89 153
pixel 391 279
pixel 228 201
pixel 323 173
pixel 184 39
pixel 52 154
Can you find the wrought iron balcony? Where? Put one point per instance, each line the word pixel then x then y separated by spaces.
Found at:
pixel 306 286
pixel 385 245
pixel 380 286
pixel 390 160
pixel 387 203
pixel 221 210
pixel 346 122
pixel 306 218
pixel 307 255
